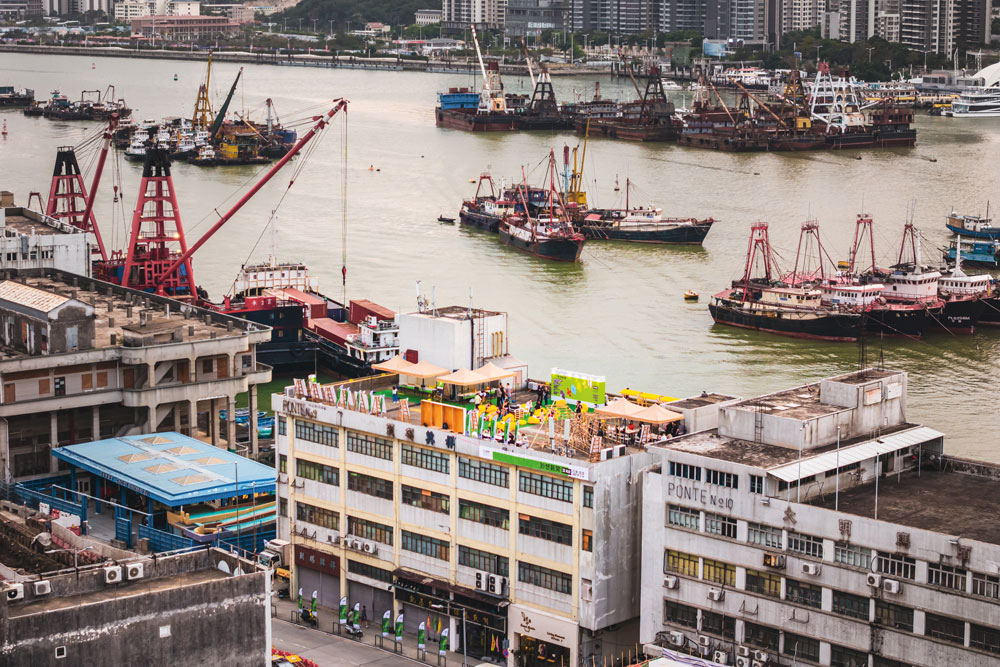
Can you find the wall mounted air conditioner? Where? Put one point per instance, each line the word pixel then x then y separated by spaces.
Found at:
pixel 716 594
pixel 704 640
pixel 670 582
pixel 743 651
pixel 874 580
pixel 113 574
pixel 15 591
pixel 810 568
pixel 43 587
pixel 676 638
pixel 720 657
pixel 134 571
pixel 892 586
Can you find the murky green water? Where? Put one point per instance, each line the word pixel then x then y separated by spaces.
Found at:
pixel 619 312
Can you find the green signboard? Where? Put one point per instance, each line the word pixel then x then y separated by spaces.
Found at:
pixel 577 387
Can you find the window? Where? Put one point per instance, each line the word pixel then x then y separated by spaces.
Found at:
pixel 483 560
pixel 283 506
pixel 760 636
pixel 428 459
pixel 366 570
pixel 368 485
pixel 855 556
pixel 949 629
pixel 362 443
pixel 798 646
pixel 686 471
pixel 841 656
pixel 208 365
pixel 282 426
pixel 717 624
pixel 543 577
pixel 317 516
pixel 986 639
pixel 805 544
pixel 683 517
pixel 587 540
pixel 896 565
pixel 545 529
pixel 719 478
pixel 844 468
pixel 543 485
pixel 369 530
pixel 680 614
pixel 946 576
pixel 764 583
pixel 854 606
pixel 60 386
pixel 985 585
pixel 317 472
pixel 756 484
pixel 324 435
pixel 893 615
pixel 484 514
pixel 427 500
pixel 801 592
pixel 282 463
pixel 675 561
pixel 720 525
pixel 588 496
pixel 888 662
pixel 719 572
pixel 480 471
pixel 764 536
pixel 421 544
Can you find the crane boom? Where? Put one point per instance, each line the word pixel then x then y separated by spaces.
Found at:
pixel 108 134
pixel 340 104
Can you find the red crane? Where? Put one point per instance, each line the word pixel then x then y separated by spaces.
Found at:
pixel 68 201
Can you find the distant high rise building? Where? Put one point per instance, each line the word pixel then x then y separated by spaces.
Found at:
pixel 531 17
pixel 675 15
pixel 460 14
pixel 615 16
pixel 939 26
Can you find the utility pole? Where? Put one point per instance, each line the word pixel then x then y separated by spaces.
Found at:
pixel 870 49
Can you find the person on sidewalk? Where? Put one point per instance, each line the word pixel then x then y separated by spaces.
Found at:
pixel 364 615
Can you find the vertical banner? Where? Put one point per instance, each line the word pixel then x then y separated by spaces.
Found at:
pixel 399 627
pixel 443 642
pixel 386 623
pixel 421 635
pixel 343 610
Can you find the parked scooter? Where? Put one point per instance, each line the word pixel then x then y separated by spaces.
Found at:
pixel 353 628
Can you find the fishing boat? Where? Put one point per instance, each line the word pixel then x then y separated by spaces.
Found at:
pixel 136 151
pixel 767 304
pixel 984 253
pixel 649 118
pixel 973 226
pixel 911 285
pixel 549 236
pixel 491 112
pixel 445 219
pixel 9 97
pixel 964 298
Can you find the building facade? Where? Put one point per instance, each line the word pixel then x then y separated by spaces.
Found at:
pixel 940 26
pixel 427 16
pixel 531 548
pixel 531 17
pixel 483 14
pixel 84 360
pixel 32 240
pixel 184 27
pixel 816 526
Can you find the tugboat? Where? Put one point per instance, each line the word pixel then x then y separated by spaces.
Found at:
pixel 205 158
pixel 549 236
pixel 767 304
pixel 136 151
pixel 9 97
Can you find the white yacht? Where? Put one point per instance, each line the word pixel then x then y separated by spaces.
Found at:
pixel 982 101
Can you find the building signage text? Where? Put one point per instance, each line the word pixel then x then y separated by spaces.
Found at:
pixel 703 496
pixel 291 407
pixel 542 465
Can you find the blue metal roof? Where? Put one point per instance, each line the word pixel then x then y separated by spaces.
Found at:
pixel 171 468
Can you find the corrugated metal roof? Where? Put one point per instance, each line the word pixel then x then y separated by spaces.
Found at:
pixel 814 465
pixel 31 297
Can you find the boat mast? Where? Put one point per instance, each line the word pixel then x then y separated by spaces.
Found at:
pixel 863 223
pixel 758 242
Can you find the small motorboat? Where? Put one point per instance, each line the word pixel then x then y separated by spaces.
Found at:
pixel 175 77
pixel 690 295
pixel 446 219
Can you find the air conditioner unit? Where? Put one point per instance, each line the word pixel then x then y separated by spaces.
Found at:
pixel 743 651
pixel 134 571
pixel 742 661
pixel 758 663
pixel 676 638
pixel 716 594
pixel 720 657
pixel 15 591
pixel 369 547
pixel 42 587
pixel 704 640
pixel 874 580
pixel 762 656
pixel 774 560
pixel 113 574
pixel 497 584
pixel 670 582
pixel 607 453
pixel 482 580
pixel 810 568
pixel 892 586
pixel 619 450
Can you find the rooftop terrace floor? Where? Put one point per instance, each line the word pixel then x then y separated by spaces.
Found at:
pixel 945 502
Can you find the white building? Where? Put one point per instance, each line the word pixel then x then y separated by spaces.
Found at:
pixel 456 337
pixel 127 10
pixel 427 16
pixel 31 240
pixel 815 526
pixel 459 14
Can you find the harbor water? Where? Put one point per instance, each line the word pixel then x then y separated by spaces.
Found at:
pixel 620 311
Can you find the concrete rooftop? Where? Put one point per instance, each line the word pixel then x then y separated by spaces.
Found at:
pixel 698 401
pixel 133 588
pixel 797 403
pixel 945 502
pixel 19 223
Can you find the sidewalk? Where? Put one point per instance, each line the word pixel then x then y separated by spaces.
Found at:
pixel 326 648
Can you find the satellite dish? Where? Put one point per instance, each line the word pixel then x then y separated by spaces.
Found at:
pixel 45 539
